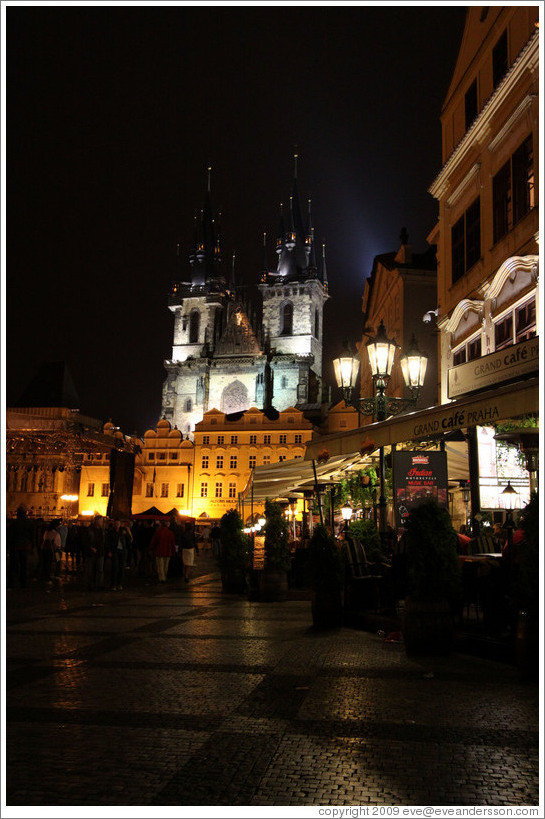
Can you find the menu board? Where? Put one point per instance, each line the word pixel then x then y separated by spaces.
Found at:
pixel 259 551
pixel 418 476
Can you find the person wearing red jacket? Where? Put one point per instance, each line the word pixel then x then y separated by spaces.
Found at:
pixel 163 547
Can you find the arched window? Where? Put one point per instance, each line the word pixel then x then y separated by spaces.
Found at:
pixel 194 321
pixel 287 319
pixel 316 324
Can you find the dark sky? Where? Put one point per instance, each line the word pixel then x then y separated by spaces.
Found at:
pixel 113 114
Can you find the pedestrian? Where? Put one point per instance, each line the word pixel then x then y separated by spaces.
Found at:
pixel 20 538
pixel 51 546
pixel 118 544
pixel 72 547
pixel 95 552
pixel 163 547
pixel 188 550
pixel 215 534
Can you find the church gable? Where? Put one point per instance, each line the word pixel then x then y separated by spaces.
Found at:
pixel 238 337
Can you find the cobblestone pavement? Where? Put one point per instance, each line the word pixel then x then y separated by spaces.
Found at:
pixel 178 695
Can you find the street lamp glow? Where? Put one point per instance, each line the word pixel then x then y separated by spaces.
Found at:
pixel 413 366
pixel 381 351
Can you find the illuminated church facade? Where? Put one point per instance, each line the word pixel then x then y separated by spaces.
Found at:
pixel 224 357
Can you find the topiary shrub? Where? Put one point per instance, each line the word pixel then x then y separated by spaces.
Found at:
pixel 277 550
pixel 433 568
pixel 235 544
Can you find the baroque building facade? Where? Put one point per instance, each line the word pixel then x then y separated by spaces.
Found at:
pixel 222 357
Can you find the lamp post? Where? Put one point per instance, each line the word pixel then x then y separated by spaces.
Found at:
pixel 466 492
pixel 346 512
pixel 381 351
pixel 508 496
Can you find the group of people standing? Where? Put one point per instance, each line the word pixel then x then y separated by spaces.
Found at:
pixel 102 551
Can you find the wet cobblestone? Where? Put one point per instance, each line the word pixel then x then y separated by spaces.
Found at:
pixel 180 695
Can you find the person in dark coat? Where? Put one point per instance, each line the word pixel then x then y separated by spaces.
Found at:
pixel 20 539
pixel 95 553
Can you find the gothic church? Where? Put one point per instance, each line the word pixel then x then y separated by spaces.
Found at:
pixel 222 356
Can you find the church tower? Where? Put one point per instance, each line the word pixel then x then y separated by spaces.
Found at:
pixel 220 358
pixel 293 305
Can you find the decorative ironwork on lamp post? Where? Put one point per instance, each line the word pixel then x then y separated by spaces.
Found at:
pixel 381 351
pixel 508 496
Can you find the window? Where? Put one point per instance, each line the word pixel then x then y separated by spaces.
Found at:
pixel 232 489
pixel 149 490
pixel 266 439
pixel 206 439
pixel 466 240
pixel 499 60
pixel 234 439
pixel 221 439
pixel 253 439
pixel 252 461
pixel 194 321
pixel 219 461
pixel 459 357
pixel 151 456
pixel 161 456
pixel 233 462
pixel 298 439
pixel 513 191
pixel 173 456
pixel 282 458
pixel 316 324
pixel 90 490
pixel 287 319
pixel 525 321
pixel 180 490
pixel 188 405
pixel 266 459
pixel 474 349
pixel 204 462
pixel 503 332
pixel 105 490
pixel 164 490
pixel 284 382
pixel 471 105
pixel 219 490
pixel 283 439
pixel 204 490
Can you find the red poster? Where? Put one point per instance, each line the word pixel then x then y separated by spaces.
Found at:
pixel 418 476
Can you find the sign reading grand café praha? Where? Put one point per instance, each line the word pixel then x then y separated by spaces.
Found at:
pixel 490 370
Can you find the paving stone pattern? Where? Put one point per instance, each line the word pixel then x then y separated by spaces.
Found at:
pixel 181 695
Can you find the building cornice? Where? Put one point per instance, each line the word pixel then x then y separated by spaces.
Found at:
pixel 480 129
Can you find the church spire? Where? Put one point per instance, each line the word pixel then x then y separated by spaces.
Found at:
pixel 324 268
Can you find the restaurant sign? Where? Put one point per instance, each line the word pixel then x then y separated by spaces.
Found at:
pixel 418 477
pixel 494 369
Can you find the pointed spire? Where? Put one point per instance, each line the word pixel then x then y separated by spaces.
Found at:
pixel 281 232
pixel 265 265
pixel 295 158
pixel 209 172
pixel 324 269
pixel 232 281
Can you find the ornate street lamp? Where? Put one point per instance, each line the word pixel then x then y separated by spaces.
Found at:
pixel 346 512
pixel 381 351
pixel 508 496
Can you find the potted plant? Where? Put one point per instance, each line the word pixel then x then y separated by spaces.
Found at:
pixel 274 577
pixel 326 578
pixel 234 556
pixel 433 581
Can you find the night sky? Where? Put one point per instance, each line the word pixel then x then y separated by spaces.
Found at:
pixel 113 115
